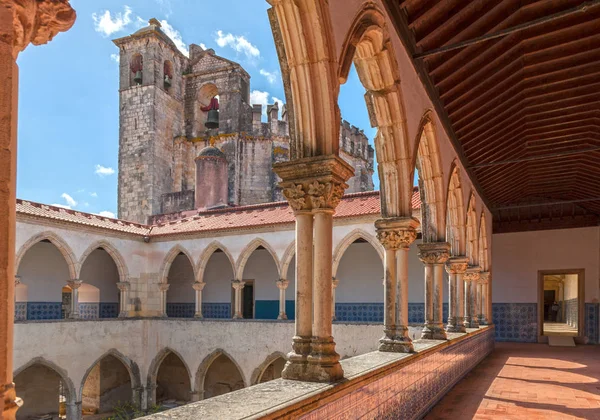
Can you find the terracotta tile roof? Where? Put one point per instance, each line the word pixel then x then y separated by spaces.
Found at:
pixel 243 217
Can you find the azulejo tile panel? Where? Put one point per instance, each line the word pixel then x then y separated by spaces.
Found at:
pixel 181 310
pixel 359 312
pixel 515 321
pixel 216 310
pixel 592 320
pixel 89 310
pixel 44 310
pixel 411 390
pixel 109 309
pixel 20 311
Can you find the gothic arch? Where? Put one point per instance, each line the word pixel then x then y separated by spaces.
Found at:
pixel 205 258
pixel 155 366
pixel 59 243
pixel 472 234
pixel 483 243
pixel 455 213
pixel 130 365
pixel 367 44
pixel 258 372
pixel 349 240
pixel 247 252
pixel 428 163
pixel 114 254
pixel 288 255
pixel 64 376
pixel 170 257
pixel 205 365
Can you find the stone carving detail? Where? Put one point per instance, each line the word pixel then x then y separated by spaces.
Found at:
pixel 456 266
pixel 484 277
pixel 472 275
pixel 397 239
pixel 295 196
pixel 434 252
pixel 37 22
pixel 314 195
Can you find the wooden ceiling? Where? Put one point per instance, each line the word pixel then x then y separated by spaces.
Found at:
pixel 517 84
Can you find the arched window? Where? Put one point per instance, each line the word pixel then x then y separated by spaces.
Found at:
pixel 167 74
pixel 136 65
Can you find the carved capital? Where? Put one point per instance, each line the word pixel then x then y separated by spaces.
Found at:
pixel 123 286
pixel 334 283
pixel 282 284
pixel 457 265
pixel 37 21
pixel 484 277
pixel 163 287
pixel 314 195
pixel 237 284
pixel 434 252
pixel 199 285
pixel 74 284
pixel 397 233
pixel 17 280
pixel 473 273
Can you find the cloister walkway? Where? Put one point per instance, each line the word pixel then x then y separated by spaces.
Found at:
pixel 528 381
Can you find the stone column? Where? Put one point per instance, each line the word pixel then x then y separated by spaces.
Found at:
pixel 124 298
pixel 196 396
pixel 434 255
pixel 314 186
pixel 396 235
pixel 471 277
pixel 237 285
pixel 163 287
pixel 484 281
pixel 74 285
pixel 282 285
pixel 198 287
pixel 73 410
pixel 334 284
pixel 456 267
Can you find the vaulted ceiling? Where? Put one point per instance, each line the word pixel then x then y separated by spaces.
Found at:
pixel 517 84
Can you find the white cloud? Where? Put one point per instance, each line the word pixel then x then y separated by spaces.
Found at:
pixel 108 24
pixel 94 194
pixel 175 36
pixel 62 206
pixel 279 102
pixel 115 57
pixel 271 77
pixel 260 97
pixel 106 214
pixel 238 43
pixel 104 171
pixel 70 201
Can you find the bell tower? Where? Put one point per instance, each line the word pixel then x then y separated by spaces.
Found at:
pixel 151 116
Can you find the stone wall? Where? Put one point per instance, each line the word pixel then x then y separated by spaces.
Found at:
pixel 41 393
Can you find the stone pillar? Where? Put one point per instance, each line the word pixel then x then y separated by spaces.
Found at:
pixel 334 284
pixel 21 22
pixel 484 281
pixel 396 235
pixel 455 267
pixel 198 287
pixel 471 277
pixel 163 287
pixel 434 255
pixel 237 285
pixel 124 298
pixel 74 285
pixel 196 396
pixel 282 285
pixel 314 186
pixel 73 410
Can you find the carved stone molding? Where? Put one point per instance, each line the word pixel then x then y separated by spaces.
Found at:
pixel 397 232
pixel 473 274
pixel 74 284
pixel 163 287
pixel 123 286
pixel 314 195
pixel 237 284
pixel 434 252
pixel 457 265
pixel 37 21
pixel 484 277
pixel 198 286
pixel 282 284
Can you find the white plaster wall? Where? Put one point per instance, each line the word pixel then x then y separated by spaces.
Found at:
pixel 44 271
pixel 89 293
pixel 181 279
pixel 571 286
pixel 218 276
pixel 99 270
pixel 261 268
pixel 360 274
pixel 519 256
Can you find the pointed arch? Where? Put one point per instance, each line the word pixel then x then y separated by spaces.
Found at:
pixel 455 213
pixel 130 365
pixel 472 234
pixel 288 256
pixel 205 258
pixel 155 367
pixel 349 240
pixel 205 365
pixel 428 163
pixel 258 372
pixel 247 252
pixel 59 243
pixel 368 45
pixel 170 257
pixel 114 254
pixel 483 243
pixel 62 373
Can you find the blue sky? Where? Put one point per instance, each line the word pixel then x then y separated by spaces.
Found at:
pixel 68 97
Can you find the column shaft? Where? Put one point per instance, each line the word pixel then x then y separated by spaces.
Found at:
pixel 460 300
pixel 282 284
pixel 390 287
pixel 427 327
pixel 439 333
pixel 402 305
pixel 452 303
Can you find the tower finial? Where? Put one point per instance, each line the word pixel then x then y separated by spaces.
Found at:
pixel 154 22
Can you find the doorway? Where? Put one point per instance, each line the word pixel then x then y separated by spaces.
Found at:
pixel 247 300
pixel 561 304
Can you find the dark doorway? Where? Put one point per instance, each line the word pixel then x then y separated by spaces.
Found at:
pixel 549 299
pixel 248 300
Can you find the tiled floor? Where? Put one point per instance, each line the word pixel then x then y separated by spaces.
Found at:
pixel 528 381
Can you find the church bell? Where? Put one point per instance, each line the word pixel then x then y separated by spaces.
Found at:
pixel 212 120
pixel 138 77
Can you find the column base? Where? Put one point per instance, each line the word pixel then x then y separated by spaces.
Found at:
pixel 467 323
pixel 396 340
pixel 236 316
pixel 323 361
pixel 482 320
pixel 474 323
pixel 439 333
pixel 198 315
pixel 461 328
pixel 297 365
pixel 73 410
pixel 122 315
pixel 452 326
pixel 427 333
pixel 282 315
pixel 10 401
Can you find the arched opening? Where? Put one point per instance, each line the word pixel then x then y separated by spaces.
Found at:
pixel 359 293
pixel 173 384
pixel 455 213
pixel 272 371
pixel 98 294
pixel 136 67
pixel 260 295
pixel 472 245
pixel 167 74
pixel 205 95
pixel 43 273
pixel 222 376
pixel 44 391
pixel 180 296
pixel 216 296
pixel 290 292
pixel 483 244
pixel 106 387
